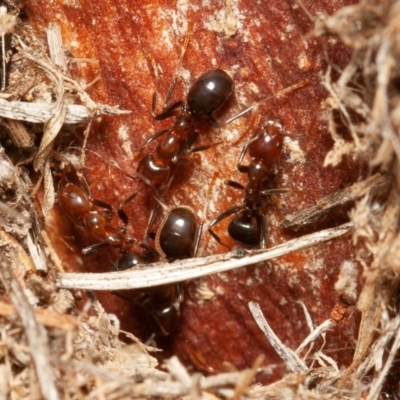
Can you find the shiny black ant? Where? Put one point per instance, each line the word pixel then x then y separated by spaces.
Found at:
pixel 179 234
pixel 249 226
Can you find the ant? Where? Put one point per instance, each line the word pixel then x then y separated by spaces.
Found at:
pixel 249 226
pixel 178 237
pixel 206 96
pixel 82 209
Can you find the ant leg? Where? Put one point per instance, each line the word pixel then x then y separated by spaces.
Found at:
pixel 255 105
pixel 154 254
pixel 153 137
pixel 122 214
pixel 184 47
pixel 199 148
pixel 191 139
pixel 197 238
pixel 242 168
pixel 204 147
pixel 263 224
pixel 160 200
pixel 220 218
pixel 93 247
pixel 235 185
pixel 168 110
pixel 268 192
pixel 152 218
pixel 102 204
pixel 238 115
pixel 178 159
pixel 156 193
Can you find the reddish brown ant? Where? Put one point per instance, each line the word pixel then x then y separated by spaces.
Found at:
pixel 249 226
pixel 206 96
pixel 83 210
pixel 265 147
pixel 178 237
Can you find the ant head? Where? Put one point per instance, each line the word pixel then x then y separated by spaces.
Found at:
pixel 268 143
pixel 183 121
pixel 272 127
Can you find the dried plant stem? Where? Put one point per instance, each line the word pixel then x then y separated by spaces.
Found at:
pixel 292 360
pixel 374 184
pixel 164 273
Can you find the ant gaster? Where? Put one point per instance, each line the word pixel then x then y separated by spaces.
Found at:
pixel 179 234
pixel 249 226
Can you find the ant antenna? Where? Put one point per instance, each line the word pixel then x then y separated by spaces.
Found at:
pixel 179 66
pixel 154 70
pixel 7 24
pixel 279 94
pixel 303 7
pixel 254 122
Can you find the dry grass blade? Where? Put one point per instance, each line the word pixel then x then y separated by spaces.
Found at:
pixel 39 113
pixel 164 273
pixel 292 360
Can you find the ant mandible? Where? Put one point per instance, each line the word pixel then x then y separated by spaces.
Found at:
pixel 249 226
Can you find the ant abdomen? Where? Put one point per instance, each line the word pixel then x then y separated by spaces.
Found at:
pixel 246 228
pixel 268 145
pixel 177 236
pixel 209 93
pixel 74 201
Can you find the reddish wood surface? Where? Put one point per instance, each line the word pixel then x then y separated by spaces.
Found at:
pixel 267 48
